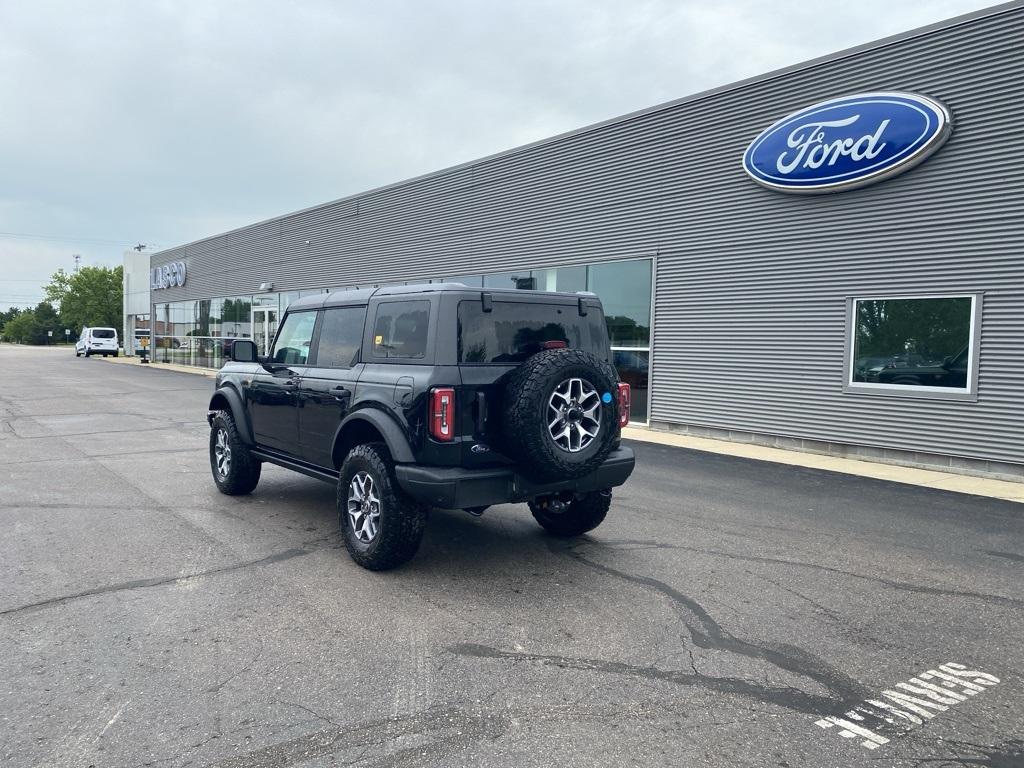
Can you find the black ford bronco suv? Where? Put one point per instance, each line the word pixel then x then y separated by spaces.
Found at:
pixel 435 395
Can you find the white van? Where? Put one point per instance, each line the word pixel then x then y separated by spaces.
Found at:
pixel 96 341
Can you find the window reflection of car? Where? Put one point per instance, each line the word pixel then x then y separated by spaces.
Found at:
pixel 951 372
pixel 865 367
pixel 872 369
pixel 632 367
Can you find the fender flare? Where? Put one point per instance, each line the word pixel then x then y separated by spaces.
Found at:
pixel 234 403
pixel 394 437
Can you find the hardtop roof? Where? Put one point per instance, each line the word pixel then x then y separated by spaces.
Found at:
pixel 361 296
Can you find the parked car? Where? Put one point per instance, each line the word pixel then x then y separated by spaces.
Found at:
pixel 426 396
pixel 951 372
pixel 865 367
pixel 97 341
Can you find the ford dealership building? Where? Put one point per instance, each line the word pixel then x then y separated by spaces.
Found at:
pixel 829 257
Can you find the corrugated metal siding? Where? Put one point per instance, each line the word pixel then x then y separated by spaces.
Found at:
pixel 751 284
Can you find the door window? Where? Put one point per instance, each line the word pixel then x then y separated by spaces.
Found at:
pixel 340 336
pixel 292 345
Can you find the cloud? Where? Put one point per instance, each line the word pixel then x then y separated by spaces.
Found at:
pixel 169 121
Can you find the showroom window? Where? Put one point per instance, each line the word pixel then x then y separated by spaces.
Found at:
pixel 914 345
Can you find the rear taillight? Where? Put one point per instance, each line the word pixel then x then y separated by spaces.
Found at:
pixel 623 404
pixel 442 414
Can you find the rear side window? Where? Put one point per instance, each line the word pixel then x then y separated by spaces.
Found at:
pixel 340 336
pixel 103 333
pixel 400 329
pixel 512 331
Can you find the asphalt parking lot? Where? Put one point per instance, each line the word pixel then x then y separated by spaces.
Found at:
pixel 721 616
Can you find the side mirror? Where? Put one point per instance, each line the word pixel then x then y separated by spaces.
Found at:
pixel 947 362
pixel 243 351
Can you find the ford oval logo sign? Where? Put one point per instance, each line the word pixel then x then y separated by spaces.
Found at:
pixel 846 143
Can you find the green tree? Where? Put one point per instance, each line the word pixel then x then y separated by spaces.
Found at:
pixel 32 326
pixel 21 329
pixel 9 314
pixel 48 320
pixel 92 296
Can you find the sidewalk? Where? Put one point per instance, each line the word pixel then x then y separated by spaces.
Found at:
pixel 123 360
pixel 946 481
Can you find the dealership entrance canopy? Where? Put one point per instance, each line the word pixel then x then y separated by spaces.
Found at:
pixel 829 257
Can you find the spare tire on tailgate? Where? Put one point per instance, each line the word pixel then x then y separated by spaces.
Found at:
pixel 560 417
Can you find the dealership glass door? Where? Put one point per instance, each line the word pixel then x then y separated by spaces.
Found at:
pixel 264 328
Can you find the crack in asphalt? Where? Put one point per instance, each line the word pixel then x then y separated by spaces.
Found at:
pixel 1009 754
pixel 157 581
pixel 708 634
pixel 784 696
pixel 446 730
pixel 900 585
pixel 1008 555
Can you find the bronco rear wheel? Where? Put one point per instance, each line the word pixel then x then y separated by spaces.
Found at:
pixel 561 414
pixel 382 526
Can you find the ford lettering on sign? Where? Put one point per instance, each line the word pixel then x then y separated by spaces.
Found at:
pixel 846 143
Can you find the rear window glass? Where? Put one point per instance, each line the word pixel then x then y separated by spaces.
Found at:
pixel 400 329
pixel 512 331
pixel 102 333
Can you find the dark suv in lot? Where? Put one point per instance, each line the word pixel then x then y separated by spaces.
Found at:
pixel 427 396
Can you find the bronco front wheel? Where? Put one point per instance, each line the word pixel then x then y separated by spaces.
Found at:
pixel 235 471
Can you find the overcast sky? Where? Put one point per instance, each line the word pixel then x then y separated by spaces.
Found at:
pixel 162 122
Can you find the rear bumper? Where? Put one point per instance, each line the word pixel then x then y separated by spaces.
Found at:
pixel 458 488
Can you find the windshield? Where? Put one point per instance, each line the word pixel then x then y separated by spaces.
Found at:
pixel 512 331
pixel 103 333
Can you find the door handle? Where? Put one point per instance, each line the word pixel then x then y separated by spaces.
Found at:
pixel 341 393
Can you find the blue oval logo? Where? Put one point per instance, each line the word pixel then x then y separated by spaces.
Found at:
pixel 847 143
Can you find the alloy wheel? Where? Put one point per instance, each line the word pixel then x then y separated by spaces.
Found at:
pixel 574 414
pixel 363 507
pixel 222 453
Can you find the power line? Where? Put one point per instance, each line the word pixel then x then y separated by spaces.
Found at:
pixel 64 239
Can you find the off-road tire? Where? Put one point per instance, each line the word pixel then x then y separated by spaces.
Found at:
pixel 243 472
pixel 585 513
pixel 402 519
pixel 525 418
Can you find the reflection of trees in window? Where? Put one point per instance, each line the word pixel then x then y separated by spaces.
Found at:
pixel 203 320
pixel 929 328
pixel 627 332
pixel 237 310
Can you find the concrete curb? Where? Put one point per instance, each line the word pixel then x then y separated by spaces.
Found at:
pixel 947 481
pixel 208 373
pixel 927 478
